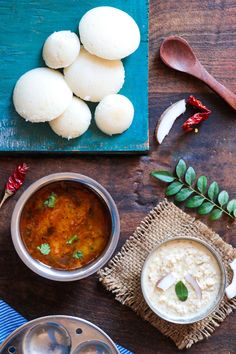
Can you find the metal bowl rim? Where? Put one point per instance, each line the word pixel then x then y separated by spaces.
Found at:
pixel 44 270
pixel 217 257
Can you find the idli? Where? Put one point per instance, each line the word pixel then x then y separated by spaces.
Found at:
pixel 74 121
pixel 61 49
pixel 92 78
pixel 41 95
pixel 114 114
pixel 109 33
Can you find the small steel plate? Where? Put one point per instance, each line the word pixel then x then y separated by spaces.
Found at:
pixel 58 335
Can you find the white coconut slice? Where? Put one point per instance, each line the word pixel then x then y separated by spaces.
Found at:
pixel 194 284
pixel 168 118
pixel 166 282
pixel 231 289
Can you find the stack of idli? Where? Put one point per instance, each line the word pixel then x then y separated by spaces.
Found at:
pixel 92 72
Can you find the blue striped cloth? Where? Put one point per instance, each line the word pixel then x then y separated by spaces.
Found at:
pixel 11 320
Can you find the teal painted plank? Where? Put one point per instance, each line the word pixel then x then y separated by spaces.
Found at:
pixel 24 26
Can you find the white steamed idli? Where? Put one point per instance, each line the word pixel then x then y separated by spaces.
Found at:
pixel 114 114
pixel 109 33
pixel 41 95
pixel 92 78
pixel 74 121
pixel 61 49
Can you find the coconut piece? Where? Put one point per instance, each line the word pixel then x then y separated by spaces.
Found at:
pixel 166 282
pixel 168 118
pixel 194 284
pixel 231 289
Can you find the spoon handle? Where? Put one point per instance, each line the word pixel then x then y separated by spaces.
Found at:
pixel 220 89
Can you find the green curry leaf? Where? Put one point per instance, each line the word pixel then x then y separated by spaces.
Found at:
pixel 195 201
pixel 183 194
pixel 190 176
pixel 164 176
pixel 181 168
pixel 231 206
pixel 173 188
pixel 223 198
pixel 202 184
pixel 216 214
pixel 213 191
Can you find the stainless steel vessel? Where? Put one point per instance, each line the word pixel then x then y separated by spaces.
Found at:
pixel 58 335
pixel 49 272
pixel 216 301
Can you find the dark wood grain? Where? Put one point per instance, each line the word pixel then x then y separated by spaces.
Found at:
pixel 210 27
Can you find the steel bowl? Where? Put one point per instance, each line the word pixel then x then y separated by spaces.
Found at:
pixel 45 270
pixel 217 300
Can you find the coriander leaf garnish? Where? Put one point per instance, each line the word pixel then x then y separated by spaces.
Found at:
pixel 181 291
pixel 51 201
pixel 72 239
pixel 78 254
pixel 44 248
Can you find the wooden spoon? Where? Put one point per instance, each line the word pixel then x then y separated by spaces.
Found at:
pixel 177 54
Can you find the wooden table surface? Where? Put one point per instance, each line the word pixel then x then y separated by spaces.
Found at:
pixel 210 27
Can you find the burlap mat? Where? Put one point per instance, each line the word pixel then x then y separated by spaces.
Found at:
pixel 122 276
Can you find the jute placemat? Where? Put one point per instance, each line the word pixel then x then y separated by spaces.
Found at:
pixel 122 275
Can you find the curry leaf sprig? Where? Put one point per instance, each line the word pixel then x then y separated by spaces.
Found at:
pixel 185 187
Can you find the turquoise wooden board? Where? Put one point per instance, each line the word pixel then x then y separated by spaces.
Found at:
pixel 24 26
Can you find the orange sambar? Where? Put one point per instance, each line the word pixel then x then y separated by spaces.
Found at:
pixel 65 225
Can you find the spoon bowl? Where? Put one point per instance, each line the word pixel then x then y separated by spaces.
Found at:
pixel 176 53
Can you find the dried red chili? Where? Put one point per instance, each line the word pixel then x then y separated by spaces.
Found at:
pixel 194 102
pixel 15 181
pixel 197 118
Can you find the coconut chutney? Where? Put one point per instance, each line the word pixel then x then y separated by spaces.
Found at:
pixel 181 258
